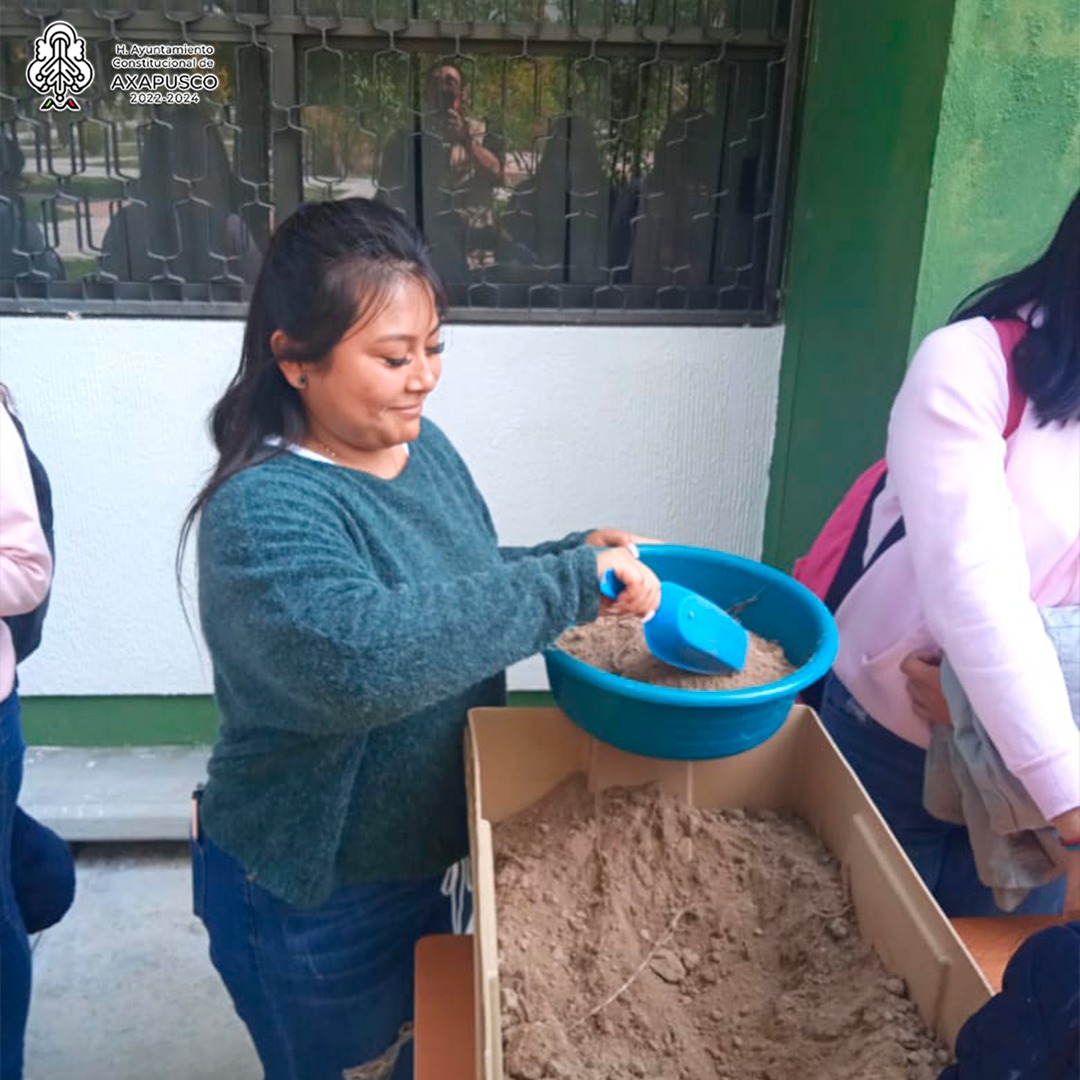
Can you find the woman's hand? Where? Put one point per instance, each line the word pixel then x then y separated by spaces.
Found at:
pixel 602 538
pixel 1072 885
pixel 1068 828
pixel 455 127
pixel 641 587
pixel 923 671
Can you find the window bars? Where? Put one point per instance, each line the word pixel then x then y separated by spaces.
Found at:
pixel 568 160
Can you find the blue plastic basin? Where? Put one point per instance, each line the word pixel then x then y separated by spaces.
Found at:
pixel 666 722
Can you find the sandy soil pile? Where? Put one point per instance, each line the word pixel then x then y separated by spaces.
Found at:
pixel 618 646
pixel 641 938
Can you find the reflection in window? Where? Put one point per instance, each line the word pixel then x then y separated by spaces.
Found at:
pixel 162 202
pixel 553 181
pixel 588 156
pixel 183 218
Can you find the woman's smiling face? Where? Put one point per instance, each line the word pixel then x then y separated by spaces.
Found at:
pixel 368 394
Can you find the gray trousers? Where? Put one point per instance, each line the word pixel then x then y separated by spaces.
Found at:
pixel 967 783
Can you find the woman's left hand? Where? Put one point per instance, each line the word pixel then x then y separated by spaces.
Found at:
pixel 923 671
pixel 602 538
pixel 1068 827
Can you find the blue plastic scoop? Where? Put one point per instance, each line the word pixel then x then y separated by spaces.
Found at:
pixel 688 631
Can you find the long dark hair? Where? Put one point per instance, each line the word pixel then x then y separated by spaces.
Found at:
pixel 1048 356
pixel 186 184
pixel 329 265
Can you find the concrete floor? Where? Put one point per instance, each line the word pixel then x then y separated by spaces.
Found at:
pixel 123 986
pixel 113 793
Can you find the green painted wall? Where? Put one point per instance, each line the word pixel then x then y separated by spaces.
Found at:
pixel 1008 148
pixel 874 75
pixel 143 721
pixel 119 721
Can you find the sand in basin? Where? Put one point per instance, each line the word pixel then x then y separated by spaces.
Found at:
pixel 618 646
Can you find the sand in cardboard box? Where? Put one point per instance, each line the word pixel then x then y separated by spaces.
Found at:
pixel 736 924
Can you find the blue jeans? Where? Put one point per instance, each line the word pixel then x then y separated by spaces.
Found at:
pixel 14 943
pixel 322 990
pixel 891 770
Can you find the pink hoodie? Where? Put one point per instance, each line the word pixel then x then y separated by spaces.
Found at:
pixel 993 533
pixel 25 564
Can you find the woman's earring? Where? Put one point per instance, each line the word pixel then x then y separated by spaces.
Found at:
pixel 302 381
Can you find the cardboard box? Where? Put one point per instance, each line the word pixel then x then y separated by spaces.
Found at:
pixel 516 756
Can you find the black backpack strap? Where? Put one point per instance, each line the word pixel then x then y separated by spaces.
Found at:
pixel 42 487
pixel 851 566
pixel 26 628
pixel 897 532
pixel 850 570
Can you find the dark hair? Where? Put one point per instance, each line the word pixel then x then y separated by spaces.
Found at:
pixel 1048 356
pixel 11 164
pixel 451 63
pixel 182 156
pixel 329 265
pixel 11 157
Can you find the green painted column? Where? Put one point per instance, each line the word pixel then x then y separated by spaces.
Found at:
pixel 1008 147
pixel 874 77
pixel 940 144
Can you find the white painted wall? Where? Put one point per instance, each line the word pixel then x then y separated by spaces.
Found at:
pixel 667 431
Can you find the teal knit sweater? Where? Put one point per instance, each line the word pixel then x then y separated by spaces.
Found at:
pixel 352 621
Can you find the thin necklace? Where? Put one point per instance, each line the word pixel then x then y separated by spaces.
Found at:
pixel 332 454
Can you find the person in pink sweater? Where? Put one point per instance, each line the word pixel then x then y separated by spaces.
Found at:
pixel 991 535
pixel 25 576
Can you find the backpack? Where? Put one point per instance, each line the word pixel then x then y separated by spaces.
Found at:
pixel 834 562
pixel 26 628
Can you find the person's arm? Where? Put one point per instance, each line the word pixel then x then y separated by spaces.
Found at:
pixel 25 563
pixel 923 671
pixel 487 160
pixel 511 552
pixel 946 455
pixel 485 150
pixel 286 603
pixel 548 547
pixel 597 538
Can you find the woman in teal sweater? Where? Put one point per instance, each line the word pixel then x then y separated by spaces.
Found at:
pixel 356 605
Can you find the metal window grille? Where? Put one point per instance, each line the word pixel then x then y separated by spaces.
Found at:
pixel 567 160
